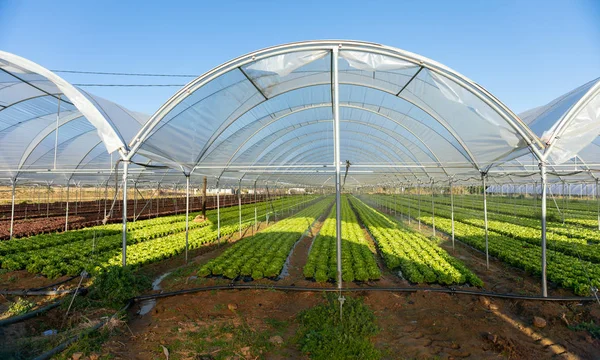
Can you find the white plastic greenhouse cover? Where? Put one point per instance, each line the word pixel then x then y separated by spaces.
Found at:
pixel 569 125
pixel 268 115
pixel 34 103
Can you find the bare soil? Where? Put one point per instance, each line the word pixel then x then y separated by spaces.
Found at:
pixel 247 324
pixel 420 325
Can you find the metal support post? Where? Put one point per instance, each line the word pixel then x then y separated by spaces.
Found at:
pixel 338 196
pixel 187 215
pixel 12 207
pixel 67 208
pixel 544 185
pixel 452 211
pixel 485 220
pixel 432 207
pixel 218 214
pixel 125 171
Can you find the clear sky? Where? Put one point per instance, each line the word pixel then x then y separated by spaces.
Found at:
pixel 524 52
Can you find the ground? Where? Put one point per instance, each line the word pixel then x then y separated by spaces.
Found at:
pixel 255 324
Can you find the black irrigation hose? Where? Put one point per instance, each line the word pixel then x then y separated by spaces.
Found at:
pixel 50 353
pixel 39 293
pixel 29 315
pixel 55 284
pixel 390 289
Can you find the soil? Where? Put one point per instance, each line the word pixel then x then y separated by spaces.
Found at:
pixel 245 324
pixel 420 325
pixel 32 219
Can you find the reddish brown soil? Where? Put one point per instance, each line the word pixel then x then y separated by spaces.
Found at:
pixel 419 325
pixel 31 219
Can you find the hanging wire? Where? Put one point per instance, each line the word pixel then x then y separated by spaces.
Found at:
pixel 130 85
pixel 123 73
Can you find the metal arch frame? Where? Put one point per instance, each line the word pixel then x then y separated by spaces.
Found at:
pixel 33 98
pixel 264 153
pixel 42 135
pixel 433 116
pixel 436 117
pixel 562 124
pixel 111 138
pixel 293 151
pixel 511 119
pixel 315 122
pixel 289 150
pixel 372 138
pixel 353 107
pixel 300 156
pixel 72 138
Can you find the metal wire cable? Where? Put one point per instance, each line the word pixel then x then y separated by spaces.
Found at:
pixel 123 73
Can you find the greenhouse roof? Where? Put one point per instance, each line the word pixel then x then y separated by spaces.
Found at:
pixel 270 113
pixel 268 116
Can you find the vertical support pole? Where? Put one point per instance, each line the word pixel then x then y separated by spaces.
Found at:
pixel 338 197
pixel 394 195
pixel 218 214
pixel 77 196
pixel 597 204
pixel 67 208
pixel 157 198
pixel 432 207
pixel 515 200
pixel 452 211
pixel 255 210
pixel 485 220
pixel 125 173
pixel 105 197
pixel 12 207
pixel 409 207
pixel 187 215
pixel 48 202
pixel 56 132
pixel 419 197
pixel 544 282
pixel 135 191
pixel 204 184
pixel 240 207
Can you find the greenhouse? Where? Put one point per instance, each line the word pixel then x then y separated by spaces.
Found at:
pixel 370 142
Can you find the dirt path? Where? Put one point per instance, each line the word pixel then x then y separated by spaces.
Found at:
pixel 300 252
pixel 413 326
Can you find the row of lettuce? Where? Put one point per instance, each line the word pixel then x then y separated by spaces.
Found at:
pixel 582 215
pixel 358 259
pixel 573 263
pixel 414 257
pixel 70 252
pixel 264 254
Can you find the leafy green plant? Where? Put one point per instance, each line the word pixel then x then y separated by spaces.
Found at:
pixel 20 307
pixel 115 285
pixel 264 254
pixel 591 327
pixel 322 335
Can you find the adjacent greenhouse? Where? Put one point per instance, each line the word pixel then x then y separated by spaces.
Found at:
pixel 409 140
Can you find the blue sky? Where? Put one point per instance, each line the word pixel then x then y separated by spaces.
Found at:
pixel 524 52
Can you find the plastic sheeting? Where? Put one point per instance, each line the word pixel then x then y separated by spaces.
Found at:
pixel 570 124
pixel 269 114
pixel 49 128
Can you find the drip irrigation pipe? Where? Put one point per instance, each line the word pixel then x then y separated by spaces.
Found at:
pixel 29 315
pixel 387 289
pixel 55 284
pixel 38 293
pixel 50 353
